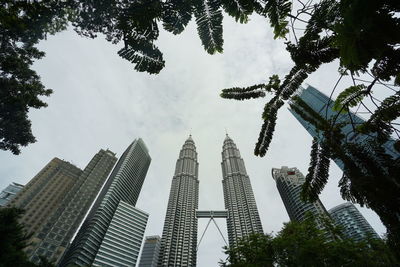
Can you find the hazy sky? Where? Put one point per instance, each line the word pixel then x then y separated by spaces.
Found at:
pixel 99 101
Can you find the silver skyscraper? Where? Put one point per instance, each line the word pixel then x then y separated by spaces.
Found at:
pixel 243 218
pixel 179 239
pixel 150 251
pixel 352 221
pixel 112 233
pixel 289 182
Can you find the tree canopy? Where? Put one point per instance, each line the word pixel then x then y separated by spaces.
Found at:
pixel 13 239
pixel 305 244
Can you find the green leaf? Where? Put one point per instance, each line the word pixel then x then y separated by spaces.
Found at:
pixel 277 11
pixel 176 15
pixel 144 55
pixel 238 93
pixel 350 97
pixel 254 91
pixel 379 122
pixel 318 172
pixel 239 9
pixel 293 81
pixel 209 24
pixel 268 128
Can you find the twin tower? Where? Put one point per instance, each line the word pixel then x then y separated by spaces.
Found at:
pixel 179 238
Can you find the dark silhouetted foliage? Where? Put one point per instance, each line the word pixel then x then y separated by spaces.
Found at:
pixel 304 244
pixel 13 239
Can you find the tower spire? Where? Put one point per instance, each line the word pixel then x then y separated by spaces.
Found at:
pixel 179 238
pixel 243 218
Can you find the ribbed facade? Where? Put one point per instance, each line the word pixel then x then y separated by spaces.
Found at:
pixel 150 251
pixel 289 182
pixel 243 218
pixel 44 193
pixel 121 244
pixel 321 104
pixel 124 184
pixel 354 225
pixel 179 238
pixel 9 193
pixel 53 238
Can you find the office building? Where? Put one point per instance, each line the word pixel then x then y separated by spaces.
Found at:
pixel 353 223
pixel 243 218
pixel 289 182
pixel 9 193
pixel 321 104
pixel 44 193
pixel 150 251
pixel 105 221
pixel 179 238
pixel 54 236
pixel 121 243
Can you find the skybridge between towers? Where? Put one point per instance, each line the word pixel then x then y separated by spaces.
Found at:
pixel 212 214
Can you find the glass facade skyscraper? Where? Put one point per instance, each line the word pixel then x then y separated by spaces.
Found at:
pixel 353 223
pixel 150 251
pixel 9 193
pixel 121 243
pixel 321 104
pixel 243 218
pixel 115 201
pixel 289 182
pixel 179 238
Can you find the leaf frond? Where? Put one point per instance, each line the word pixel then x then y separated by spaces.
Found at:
pixel 268 128
pixel 350 97
pixel 146 56
pixel 239 9
pixel 176 15
pixel 318 172
pixel 238 93
pixel 277 11
pixel 209 24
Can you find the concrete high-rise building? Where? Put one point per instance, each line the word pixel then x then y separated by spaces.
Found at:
pixel 9 193
pixel 110 234
pixel 44 193
pixel 289 182
pixel 321 104
pixel 150 251
pixel 54 236
pixel 179 238
pixel 243 218
pixel 353 223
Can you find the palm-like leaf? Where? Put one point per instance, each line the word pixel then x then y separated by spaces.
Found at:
pixel 209 24
pixel 254 91
pixel 379 122
pixel 277 12
pixel 268 128
pixel 239 9
pixel 293 81
pixel 318 172
pixel 238 93
pixel 176 15
pixel 350 97
pixel 146 56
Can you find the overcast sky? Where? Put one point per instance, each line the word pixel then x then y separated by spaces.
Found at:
pixel 99 101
